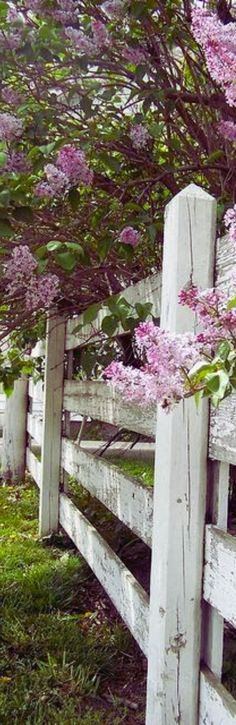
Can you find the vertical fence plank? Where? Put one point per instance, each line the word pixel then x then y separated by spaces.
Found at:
pixel 180 484
pixel 213 623
pixel 52 419
pixel 14 433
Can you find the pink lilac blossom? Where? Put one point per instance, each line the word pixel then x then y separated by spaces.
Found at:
pixel 100 34
pixel 162 378
pixel 57 180
pixel 218 42
pixel 135 55
pixel 9 95
pixel 11 40
pixel 113 8
pixel 16 163
pixel 139 136
pixel 228 130
pixel 129 235
pixel 11 127
pixel 19 268
pixel 41 292
pixel 73 164
pixel 81 42
pixel 230 223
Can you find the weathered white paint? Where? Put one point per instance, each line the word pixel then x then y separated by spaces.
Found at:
pixel 14 432
pixel 213 622
pixel 127 595
pixel 36 393
pixel 217 706
pixel 147 290
pixel 100 402
pixel 180 486
pixel 220 572
pixel 34 466
pixel 222 442
pixel 52 419
pixel 130 501
pixel 35 428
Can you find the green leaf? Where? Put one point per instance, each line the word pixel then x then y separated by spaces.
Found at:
pixel 143 310
pixel 231 304
pixel 3 158
pixel 74 247
pixel 109 325
pixel 48 148
pixel 91 313
pixel 41 251
pixel 6 229
pixel 5 197
pixel 66 260
pixel 74 199
pixel 53 246
pixel 223 350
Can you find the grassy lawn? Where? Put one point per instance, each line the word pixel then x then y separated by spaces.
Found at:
pixel 142 470
pixel 62 659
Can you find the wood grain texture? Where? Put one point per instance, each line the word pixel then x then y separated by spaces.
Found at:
pixel 147 290
pixel 217 706
pixel 14 433
pixel 34 466
pixel 100 402
pixel 52 423
pixel 130 501
pixel 222 439
pixel 213 622
pixel 180 485
pixel 127 595
pixel 35 428
pixel 219 587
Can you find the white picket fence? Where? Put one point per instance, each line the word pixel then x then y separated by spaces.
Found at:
pixel 193 572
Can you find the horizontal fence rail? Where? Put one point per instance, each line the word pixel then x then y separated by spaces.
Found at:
pixel 217 706
pixel 34 466
pixel 100 402
pixel 220 572
pixel 130 501
pixel 126 593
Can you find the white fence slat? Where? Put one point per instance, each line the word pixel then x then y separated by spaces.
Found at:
pixel 180 486
pixel 222 439
pixel 34 466
pixel 217 706
pixel 147 290
pixel 52 421
pixel 14 433
pixel 35 428
pixel 220 572
pixel 99 401
pixel 127 595
pixel 213 622
pixel 130 501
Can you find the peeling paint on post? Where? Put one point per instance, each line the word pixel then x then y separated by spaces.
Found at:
pixel 180 484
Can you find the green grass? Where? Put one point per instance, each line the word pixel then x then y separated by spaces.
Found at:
pixel 142 470
pixel 56 659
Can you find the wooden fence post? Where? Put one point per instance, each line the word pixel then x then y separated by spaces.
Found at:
pixel 180 483
pixel 52 420
pixel 14 433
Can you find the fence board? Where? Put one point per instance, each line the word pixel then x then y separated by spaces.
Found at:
pixel 130 501
pixel 217 706
pixel 222 438
pixel 35 428
pixel 147 290
pixel 100 402
pixel 34 466
pixel 180 483
pixel 127 595
pixel 220 572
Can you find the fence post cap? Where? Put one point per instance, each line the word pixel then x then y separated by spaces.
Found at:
pixel 196 191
